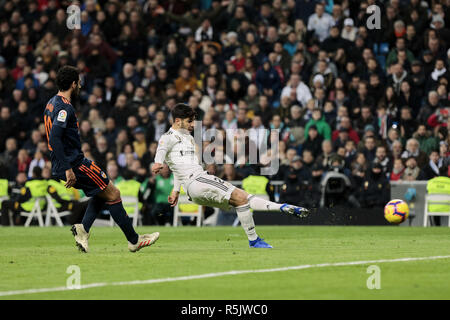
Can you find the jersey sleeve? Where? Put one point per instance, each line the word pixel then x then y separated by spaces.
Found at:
pixel 165 144
pixel 62 118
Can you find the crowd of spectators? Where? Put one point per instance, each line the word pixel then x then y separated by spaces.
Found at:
pixel 372 104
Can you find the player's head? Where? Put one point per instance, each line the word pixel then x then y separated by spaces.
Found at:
pixel 183 116
pixel 68 78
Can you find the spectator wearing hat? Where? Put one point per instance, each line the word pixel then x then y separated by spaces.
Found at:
pixel 375 189
pixel 140 144
pixel 349 31
pixel 296 179
pixel 268 81
pixel 438 24
pixel 428 62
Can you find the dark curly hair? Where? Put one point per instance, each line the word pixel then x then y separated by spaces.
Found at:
pixel 66 76
pixel 183 111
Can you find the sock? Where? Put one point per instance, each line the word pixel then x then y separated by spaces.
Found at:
pixel 120 217
pixel 95 204
pixel 259 204
pixel 246 218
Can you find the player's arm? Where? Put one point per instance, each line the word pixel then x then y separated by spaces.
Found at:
pixel 164 146
pixel 55 141
pixel 173 197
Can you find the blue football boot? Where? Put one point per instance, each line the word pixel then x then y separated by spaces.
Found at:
pixel 298 212
pixel 259 243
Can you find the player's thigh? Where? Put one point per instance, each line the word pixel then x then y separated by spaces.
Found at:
pixel 210 191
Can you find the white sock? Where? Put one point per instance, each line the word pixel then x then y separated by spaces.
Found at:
pixel 259 204
pixel 246 218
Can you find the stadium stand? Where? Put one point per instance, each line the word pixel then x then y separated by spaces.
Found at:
pixel 371 105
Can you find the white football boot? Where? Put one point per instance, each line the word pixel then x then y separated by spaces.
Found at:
pixel 144 240
pixel 81 237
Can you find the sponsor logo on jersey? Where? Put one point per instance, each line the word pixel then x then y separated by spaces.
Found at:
pixel 185 153
pixel 62 116
pixel 103 175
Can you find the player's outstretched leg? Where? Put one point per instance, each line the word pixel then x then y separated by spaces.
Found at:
pixel 113 203
pixel 239 200
pixel 259 204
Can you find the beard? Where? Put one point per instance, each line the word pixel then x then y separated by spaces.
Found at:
pixel 75 95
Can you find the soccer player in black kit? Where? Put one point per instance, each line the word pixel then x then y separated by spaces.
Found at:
pixel 70 165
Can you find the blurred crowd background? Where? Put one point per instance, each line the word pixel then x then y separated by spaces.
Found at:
pixel 371 104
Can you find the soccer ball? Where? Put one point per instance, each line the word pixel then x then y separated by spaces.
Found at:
pixel 396 211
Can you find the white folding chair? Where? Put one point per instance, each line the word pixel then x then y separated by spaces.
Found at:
pixel 130 201
pixel 177 214
pixel 52 212
pixel 439 199
pixel 35 212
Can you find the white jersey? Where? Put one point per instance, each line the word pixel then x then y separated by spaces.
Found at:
pixel 177 150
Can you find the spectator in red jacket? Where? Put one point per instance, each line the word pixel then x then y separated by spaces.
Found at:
pixel 346 124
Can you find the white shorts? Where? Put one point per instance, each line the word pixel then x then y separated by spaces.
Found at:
pixel 208 190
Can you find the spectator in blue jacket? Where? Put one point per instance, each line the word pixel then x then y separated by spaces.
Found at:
pixel 268 81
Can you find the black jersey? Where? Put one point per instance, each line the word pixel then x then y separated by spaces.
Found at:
pixel 61 127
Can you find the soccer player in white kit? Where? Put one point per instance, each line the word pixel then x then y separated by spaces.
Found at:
pixel 177 148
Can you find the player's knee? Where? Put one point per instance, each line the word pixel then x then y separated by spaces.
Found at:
pixel 116 194
pixel 113 194
pixel 239 197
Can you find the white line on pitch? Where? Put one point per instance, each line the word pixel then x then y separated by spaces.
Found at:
pixel 217 274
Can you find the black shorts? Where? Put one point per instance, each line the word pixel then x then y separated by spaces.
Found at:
pixel 90 178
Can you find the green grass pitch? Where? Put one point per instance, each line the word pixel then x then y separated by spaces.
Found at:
pixel 35 258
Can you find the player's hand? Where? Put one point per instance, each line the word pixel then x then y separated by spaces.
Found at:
pixel 156 167
pixel 173 198
pixel 70 179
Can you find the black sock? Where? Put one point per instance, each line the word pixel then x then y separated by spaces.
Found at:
pixel 95 204
pixel 120 217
